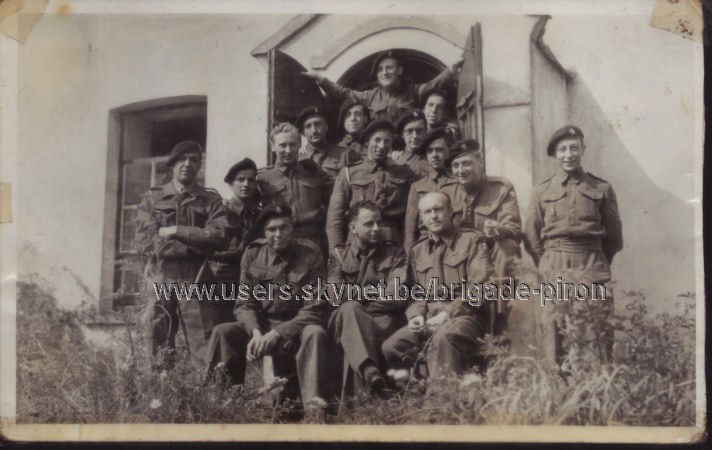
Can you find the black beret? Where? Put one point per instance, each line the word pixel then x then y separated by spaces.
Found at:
pixel 183 148
pixel 407 117
pixel 463 147
pixel 307 113
pixel 272 210
pixel 381 56
pixel 435 133
pixel 245 164
pixel 569 131
pixel 348 104
pixel 374 126
pixel 429 92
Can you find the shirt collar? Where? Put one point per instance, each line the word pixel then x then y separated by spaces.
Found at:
pixel 181 188
pixel 283 168
pixel 448 237
pixel 576 176
pixel 274 257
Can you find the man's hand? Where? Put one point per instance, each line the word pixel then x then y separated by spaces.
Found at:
pixel 264 344
pixel 168 232
pixel 438 319
pixel 416 324
pixel 256 335
pixel 491 228
pixel 319 78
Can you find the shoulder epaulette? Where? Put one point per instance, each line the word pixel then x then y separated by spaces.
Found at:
pixel 596 178
pixel 547 180
pixel 265 168
pixel 259 242
pixel 500 180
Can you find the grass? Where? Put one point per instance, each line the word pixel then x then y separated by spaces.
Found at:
pixel 64 378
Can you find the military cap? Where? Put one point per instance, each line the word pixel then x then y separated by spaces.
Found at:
pixel 183 148
pixel 435 133
pixel 407 117
pixel 348 104
pixel 374 126
pixel 569 131
pixel 463 147
pixel 307 113
pixel 429 92
pixel 244 164
pixel 380 57
pixel 271 211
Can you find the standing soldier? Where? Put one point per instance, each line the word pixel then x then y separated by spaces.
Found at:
pixel 434 106
pixel 411 129
pixel 436 149
pixel 360 327
pixel 277 267
pixel 445 255
pixel 301 184
pixel 378 179
pixel 312 124
pixel 394 93
pixel 353 118
pixel 572 228
pixel 179 224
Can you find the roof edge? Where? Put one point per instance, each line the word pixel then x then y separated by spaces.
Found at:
pixel 289 29
pixel 537 37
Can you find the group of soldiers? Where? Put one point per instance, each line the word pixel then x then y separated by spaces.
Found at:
pixel 401 196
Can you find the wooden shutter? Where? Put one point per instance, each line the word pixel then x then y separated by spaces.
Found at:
pixel 469 92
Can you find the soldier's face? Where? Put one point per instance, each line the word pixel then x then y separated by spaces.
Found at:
pixel 569 153
pixel 434 110
pixel 355 119
pixel 435 213
pixel 388 72
pixel 437 153
pixel 315 129
pixel 286 147
pixel 186 168
pixel 244 185
pixel 367 226
pixel 468 170
pixel 413 134
pixel 278 232
pixel 379 144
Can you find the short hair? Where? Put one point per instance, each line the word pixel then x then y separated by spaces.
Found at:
pixel 363 204
pixel 448 202
pixel 283 127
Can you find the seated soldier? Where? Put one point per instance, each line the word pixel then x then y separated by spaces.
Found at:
pixel 353 118
pixel 394 93
pixel 361 326
pixel 312 124
pixel 445 255
pixel 411 130
pixel 436 149
pixel 289 329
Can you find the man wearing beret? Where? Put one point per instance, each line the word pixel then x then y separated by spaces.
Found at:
pixel 412 129
pixel 274 316
pixel 360 325
pixel 179 224
pixel 436 149
pixel 312 124
pixel 353 118
pixel 301 184
pixel 434 106
pixel 572 229
pixel 377 178
pixel 394 93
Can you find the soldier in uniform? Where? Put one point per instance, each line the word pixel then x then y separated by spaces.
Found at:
pixel 312 124
pixel 572 228
pixel 290 329
pixel 434 106
pixel 301 184
pixel 377 178
pixel 394 93
pixel 411 130
pixel 353 118
pixel 179 224
pixel 449 254
pixel 360 327
pixel 436 150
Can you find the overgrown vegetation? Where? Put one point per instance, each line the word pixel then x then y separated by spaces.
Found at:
pixel 62 377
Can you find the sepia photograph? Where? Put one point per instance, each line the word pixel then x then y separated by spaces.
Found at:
pixel 352 221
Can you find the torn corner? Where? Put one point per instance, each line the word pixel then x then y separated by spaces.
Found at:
pixel 683 17
pixel 5 203
pixel 17 17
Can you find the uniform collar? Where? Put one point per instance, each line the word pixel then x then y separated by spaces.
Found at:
pixel 275 258
pixel 346 140
pixel 435 175
pixel 576 177
pixel 284 168
pixel 181 188
pixel 385 163
pixel 448 237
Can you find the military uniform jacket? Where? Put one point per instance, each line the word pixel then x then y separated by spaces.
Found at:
pixel 385 261
pixel 432 182
pixel 304 187
pixel 580 208
pixel 301 263
pixel 385 183
pixel 419 166
pixel 330 158
pixel 241 218
pixel 496 200
pixel 198 214
pixel 355 152
pixel 450 257
pixel 384 104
